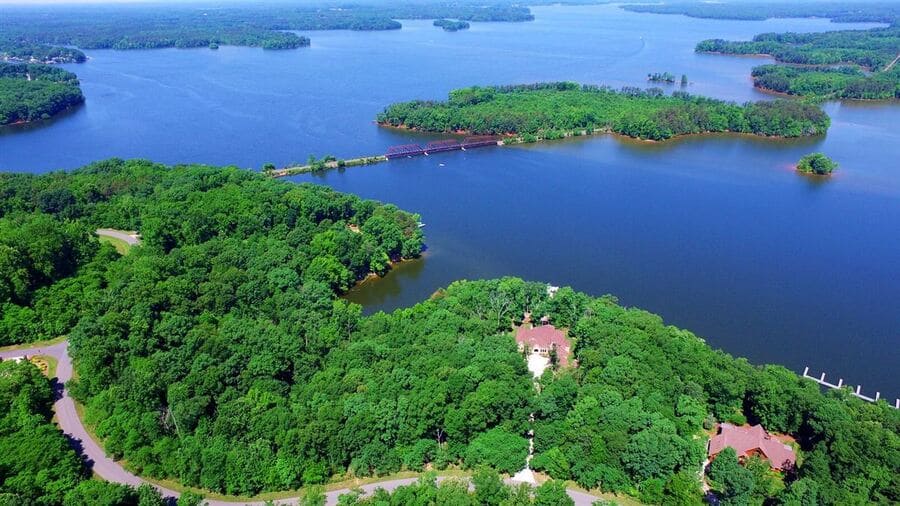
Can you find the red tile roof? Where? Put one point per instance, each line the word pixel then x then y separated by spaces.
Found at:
pixel 544 337
pixel 748 440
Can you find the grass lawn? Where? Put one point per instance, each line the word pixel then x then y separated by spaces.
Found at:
pixel 46 364
pixel 121 246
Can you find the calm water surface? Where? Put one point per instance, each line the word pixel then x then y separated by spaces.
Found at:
pixel 716 234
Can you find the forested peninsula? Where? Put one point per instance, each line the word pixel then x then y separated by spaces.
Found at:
pixel 35 92
pixel 53 268
pixel 554 110
pixel 853 64
pixel 15 52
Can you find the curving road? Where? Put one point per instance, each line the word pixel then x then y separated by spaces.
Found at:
pixel 110 470
pixel 131 238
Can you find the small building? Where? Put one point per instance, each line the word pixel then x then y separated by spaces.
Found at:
pixel 542 339
pixel 551 290
pixel 752 440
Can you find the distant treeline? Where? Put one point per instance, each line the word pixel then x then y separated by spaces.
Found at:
pixel 839 12
pixel 554 110
pixel 255 26
pixel 33 92
pixel 874 49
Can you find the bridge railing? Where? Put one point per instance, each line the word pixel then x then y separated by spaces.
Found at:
pixel 404 150
pixel 444 145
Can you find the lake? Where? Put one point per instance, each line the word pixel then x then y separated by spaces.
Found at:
pixel 716 234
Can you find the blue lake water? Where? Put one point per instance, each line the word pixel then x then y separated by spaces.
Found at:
pixel 716 234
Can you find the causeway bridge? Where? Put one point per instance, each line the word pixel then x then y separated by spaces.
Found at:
pixel 410 150
pixel 394 152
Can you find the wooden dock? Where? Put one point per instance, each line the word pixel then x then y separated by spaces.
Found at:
pixel 840 384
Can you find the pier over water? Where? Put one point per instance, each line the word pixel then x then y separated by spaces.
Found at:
pixel 840 384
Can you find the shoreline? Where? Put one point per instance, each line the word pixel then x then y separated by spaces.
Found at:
pixel 373 276
pixel 26 123
pixel 791 96
pixel 786 63
pixel 515 138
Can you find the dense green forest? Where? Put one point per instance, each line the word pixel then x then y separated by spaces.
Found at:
pixel 137 27
pixel 450 25
pixel 236 406
pixel 37 464
pixel 554 110
pixel 218 354
pixel 828 82
pixel 52 269
pixel 32 92
pixel 875 50
pixel 632 416
pixel 13 52
pixel 487 490
pixel 837 11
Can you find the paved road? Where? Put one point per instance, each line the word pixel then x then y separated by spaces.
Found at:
pixel 110 470
pixel 132 238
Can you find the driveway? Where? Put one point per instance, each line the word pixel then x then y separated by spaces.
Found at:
pixel 131 238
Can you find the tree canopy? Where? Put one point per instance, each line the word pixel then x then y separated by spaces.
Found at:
pixel 219 354
pixel 32 92
pixel 450 25
pixel 554 110
pixel 16 52
pixel 286 235
pixel 488 491
pixel 37 464
pixel 874 50
pixel 817 163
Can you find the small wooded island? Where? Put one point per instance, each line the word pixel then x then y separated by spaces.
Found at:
pixel 544 111
pixel 818 164
pixel 34 92
pixel 450 25
pixel 661 77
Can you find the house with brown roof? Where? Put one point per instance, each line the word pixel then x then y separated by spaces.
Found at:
pixel 542 339
pixel 752 440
